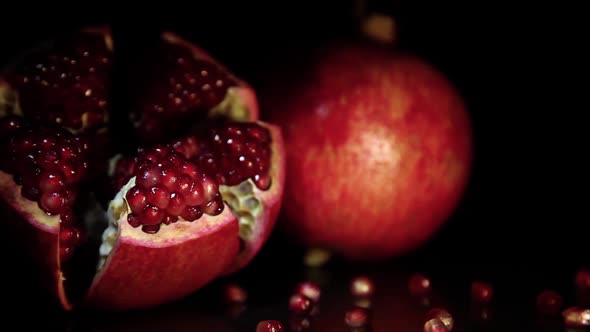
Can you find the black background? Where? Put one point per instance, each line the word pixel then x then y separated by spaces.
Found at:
pixel 524 220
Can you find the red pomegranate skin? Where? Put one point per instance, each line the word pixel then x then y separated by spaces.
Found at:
pixel 379 149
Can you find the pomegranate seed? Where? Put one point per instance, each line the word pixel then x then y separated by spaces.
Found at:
pixel 176 204
pixel 235 294
pixel 158 196
pixel 549 302
pixel 440 314
pixel 419 284
pixel 194 195
pixel 136 199
pixel 576 316
pixel 269 326
pixel 299 304
pixel 52 202
pixel 435 325
pixel 169 178
pixel 309 289
pixel 148 176
pixel 51 181
pixel 151 229
pixel 481 292
pixel 356 317
pixel 362 287
pixel 152 215
pixel 69 236
pixel 214 207
pixel 191 213
pixel 133 220
pixel 582 279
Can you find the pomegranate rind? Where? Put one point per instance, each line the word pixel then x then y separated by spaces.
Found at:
pixel 38 233
pixel 145 270
pixel 242 92
pixel 270 199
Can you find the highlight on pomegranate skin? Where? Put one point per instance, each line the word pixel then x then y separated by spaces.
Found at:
pixel 119 228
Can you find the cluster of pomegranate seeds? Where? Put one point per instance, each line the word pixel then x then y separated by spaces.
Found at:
pixel 48 163
pixel 168 186
pixel 232 153
pixel 67 86
pixel 179 88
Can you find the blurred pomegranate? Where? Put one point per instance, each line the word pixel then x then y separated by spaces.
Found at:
pixel 378 145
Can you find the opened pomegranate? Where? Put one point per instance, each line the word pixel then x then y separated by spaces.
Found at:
pixel 116 228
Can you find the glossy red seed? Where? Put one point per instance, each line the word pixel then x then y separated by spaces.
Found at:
pixel 52 202
pixel 69 236
pixel 158 196
pixel 435 325
pixel 133 220
pixel 169 178
pixel 150 229
pixel 582 279
pixel 65 253
pixel 210 189
pixel 136 199
pixel 191 213
pixel 419 284
pixel 152 215
pixel 481 292
pixel 214 207
pixel 299 304
pixel 148 176
pixel 51 181
pixel 362 286
pixel 269 326
pixel 235 294
pixel 356 317
pixel 309 289
pixel 194 195
pixel 176 204
pixel 549 302
pixel 190 169
pixel 441 314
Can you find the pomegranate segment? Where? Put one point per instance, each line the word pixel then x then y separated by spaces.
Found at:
pixel 64 83
pixel 182 85
pixel 181 212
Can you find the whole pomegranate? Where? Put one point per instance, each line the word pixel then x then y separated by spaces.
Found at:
pixel 378 148
pixel 195 198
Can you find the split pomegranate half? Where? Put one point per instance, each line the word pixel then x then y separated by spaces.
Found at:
pixel 195 199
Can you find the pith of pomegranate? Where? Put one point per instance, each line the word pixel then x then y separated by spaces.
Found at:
pixel 177 218
pixel 186 85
